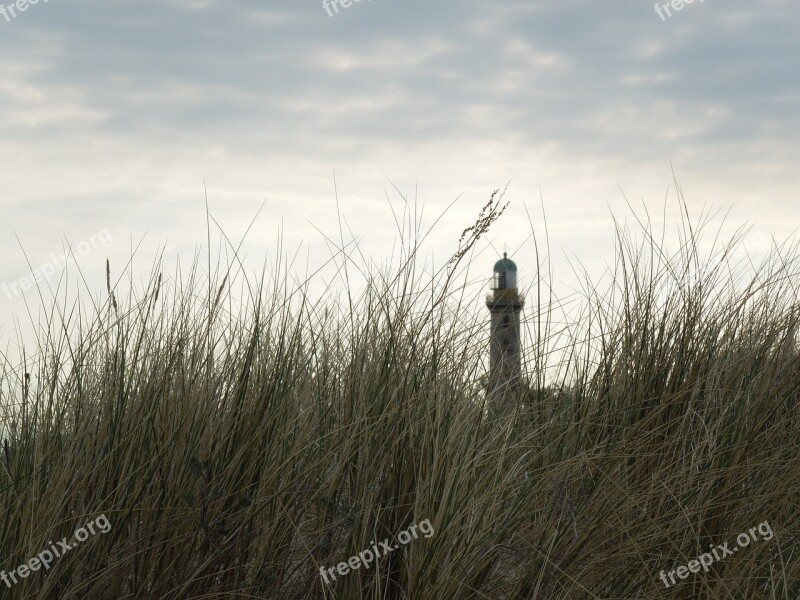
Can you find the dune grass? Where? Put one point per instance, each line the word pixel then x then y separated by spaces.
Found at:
pixel 237 446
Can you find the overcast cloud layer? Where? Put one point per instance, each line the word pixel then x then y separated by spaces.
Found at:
pixel 114 114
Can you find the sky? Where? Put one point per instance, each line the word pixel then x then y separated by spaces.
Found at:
pixel 120 118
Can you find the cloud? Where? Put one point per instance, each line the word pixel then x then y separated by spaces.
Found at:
pixel 117 113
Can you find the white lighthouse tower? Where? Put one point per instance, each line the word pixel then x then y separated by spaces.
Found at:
pixel 505 305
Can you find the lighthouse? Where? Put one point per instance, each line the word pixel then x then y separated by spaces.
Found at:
pixel 505 305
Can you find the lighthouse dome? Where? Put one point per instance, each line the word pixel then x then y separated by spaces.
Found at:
pixel 504 264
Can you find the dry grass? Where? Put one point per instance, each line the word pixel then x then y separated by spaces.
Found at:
pixel 237 450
